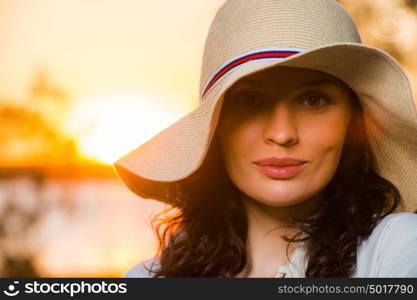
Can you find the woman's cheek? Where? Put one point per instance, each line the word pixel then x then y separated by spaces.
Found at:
pixel 325 144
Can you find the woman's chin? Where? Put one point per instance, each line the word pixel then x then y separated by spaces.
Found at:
pixel 279 199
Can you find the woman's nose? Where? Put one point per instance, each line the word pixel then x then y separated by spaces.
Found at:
pixel 281 126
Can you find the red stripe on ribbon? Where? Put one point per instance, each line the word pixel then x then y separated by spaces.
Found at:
pixel 243 60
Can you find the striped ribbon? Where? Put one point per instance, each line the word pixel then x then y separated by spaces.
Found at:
pixel 277 53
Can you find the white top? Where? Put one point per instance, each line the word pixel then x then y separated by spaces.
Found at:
pixel 390 251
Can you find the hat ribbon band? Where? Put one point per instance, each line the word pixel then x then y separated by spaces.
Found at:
pixel 277 53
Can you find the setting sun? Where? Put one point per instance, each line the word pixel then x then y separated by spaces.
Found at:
pixel 108 126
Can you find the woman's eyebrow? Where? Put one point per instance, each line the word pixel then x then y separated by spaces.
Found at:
pixel 259 84
pixel 250 82
pixel 245 82
pixel 318 82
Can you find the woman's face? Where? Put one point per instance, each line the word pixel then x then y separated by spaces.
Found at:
pixel 298 116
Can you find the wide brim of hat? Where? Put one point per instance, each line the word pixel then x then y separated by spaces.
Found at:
pixel 379 81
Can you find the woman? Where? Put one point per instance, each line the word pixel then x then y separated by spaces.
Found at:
pixel 298 162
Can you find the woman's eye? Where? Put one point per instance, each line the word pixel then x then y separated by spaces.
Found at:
pixel 313 101
pixel 251 99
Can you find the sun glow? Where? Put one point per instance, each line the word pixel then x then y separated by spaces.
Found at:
pixel 108 126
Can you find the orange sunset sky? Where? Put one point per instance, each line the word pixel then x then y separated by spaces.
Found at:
pixel 125 63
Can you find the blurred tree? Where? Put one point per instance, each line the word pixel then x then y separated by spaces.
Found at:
pixel 16 224
pixel 27 139
pixel 387 24
pixel 47 98
pixel 21 218
pixel 18 267
pixel 30 136
pixel 411 3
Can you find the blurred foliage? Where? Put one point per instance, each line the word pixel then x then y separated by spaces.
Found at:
pixel 411 3
pixel 31 133
pixel 26 137
pixel 16 230
pixel 386 24
pixel 48 99
pixel 23 211
pixel 18 266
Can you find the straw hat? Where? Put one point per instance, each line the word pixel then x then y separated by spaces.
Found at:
pixel 247 36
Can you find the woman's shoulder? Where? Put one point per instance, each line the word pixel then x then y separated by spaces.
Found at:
pixel 400 228
pixel 400 219
pixel 390 249
pixel 143 269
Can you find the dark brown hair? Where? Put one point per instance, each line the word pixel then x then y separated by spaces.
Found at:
pixel 204 233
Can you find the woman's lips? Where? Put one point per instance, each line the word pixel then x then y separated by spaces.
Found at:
pixel 281 172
